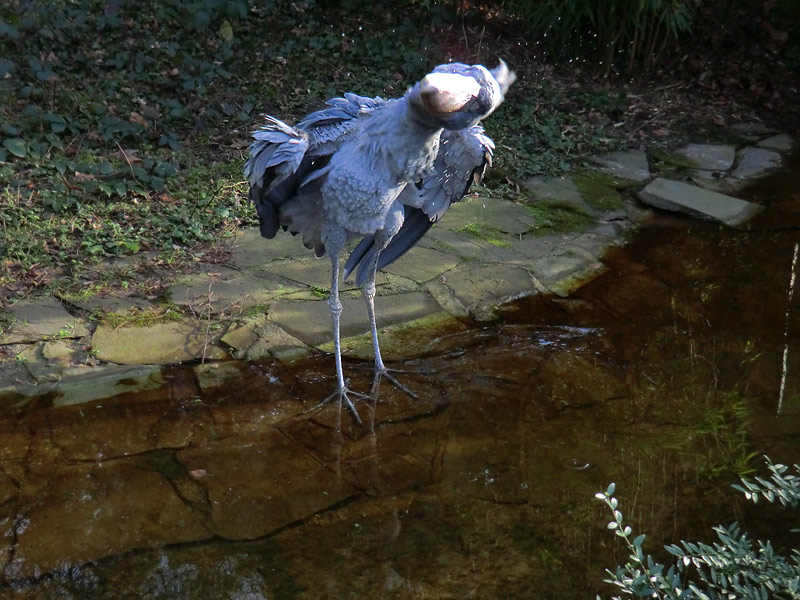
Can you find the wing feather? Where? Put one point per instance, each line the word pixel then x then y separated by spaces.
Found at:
pixel 462 159
pixel 287 163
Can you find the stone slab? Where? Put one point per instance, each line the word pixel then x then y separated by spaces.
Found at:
pixel 107 304
pixel 554 188
pixel 563 272
pixel 754 162
pixel 689 199
pixel 631 164
pixel 163 343
pixel 500 215
pixel 751 131
pixel 258 337
pixel 710 157
pixel 482 287
pixel 781 142
pixel 257 487
pixel 42 318
pixel 470 247
pixel 80 385
pixel 251 251
pixel 315 272
pixel 88 512
pixel 227 290
pixel 310 322
pixel 422 264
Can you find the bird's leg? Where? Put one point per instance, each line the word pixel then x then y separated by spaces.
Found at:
pixel 368 289
pixel 333 246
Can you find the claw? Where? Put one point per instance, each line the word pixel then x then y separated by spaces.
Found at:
pixel 343 398
pixel 384 372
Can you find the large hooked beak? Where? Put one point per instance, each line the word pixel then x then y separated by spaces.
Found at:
pixel 445 93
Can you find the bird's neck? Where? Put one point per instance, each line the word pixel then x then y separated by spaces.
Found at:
pixel 407 142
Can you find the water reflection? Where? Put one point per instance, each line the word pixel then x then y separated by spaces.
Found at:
pixel 664 375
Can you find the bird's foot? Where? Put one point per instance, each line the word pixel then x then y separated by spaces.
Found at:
pixel 383 372
pixel 341 396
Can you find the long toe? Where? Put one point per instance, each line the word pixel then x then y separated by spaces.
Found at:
pixel 384 373
pixel 342 395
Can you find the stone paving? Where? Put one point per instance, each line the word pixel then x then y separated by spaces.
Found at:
pixel 269 299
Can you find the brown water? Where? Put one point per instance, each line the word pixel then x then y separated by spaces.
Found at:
pixel 662 375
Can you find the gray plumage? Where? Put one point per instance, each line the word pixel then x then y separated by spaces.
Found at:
pixel 381 170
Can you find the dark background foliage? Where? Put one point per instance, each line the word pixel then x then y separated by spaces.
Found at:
pixel 124 124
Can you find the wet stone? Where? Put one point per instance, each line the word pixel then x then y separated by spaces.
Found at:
pixel 216 374
pixel 781 142
pixel 710 157
pixel 314 272
pixel 311 321
pixel 222 291
pixel 630 165
pixel 41 319
pixel 39 367
pixel 59 352
pixel 682 197
pixel 471 247
pixel 81 385
pixel 404 340
pixel 258 337
pixel 88 512
pixel 751 131
pixel 563 272
pixel 163 343
pixel 260 486
pixel 500 215
pixel 13 376
pixel 562 189
pixel 481 287
pixel 422 264
pixel 754 162
pixel 252 251
pixel 109 304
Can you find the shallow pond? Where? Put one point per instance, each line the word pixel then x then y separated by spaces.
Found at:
pixel 664 375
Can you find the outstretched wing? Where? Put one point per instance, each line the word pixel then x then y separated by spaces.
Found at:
pixel 462 159
pixel 283 159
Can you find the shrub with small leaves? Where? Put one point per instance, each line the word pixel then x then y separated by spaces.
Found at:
pixel 731 568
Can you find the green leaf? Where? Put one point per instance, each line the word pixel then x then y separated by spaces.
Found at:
pixel 639 540
pixel 225 31
pixel 16 146
pixel 611 488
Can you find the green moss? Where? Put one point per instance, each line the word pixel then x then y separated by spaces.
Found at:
pixel 555 216
pixel 487 233
pixel 598 190
pixel 141 318
pixel 664 161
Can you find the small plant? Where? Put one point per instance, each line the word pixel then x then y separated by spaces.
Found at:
pixel 731 568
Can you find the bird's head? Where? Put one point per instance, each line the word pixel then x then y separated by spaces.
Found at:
pixel 457 96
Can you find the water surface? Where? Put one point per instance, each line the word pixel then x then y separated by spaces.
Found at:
pixel 663 375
